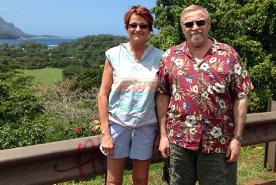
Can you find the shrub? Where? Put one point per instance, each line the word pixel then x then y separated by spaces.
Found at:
pixel 22 133
pixel 71 110
pixel 21 113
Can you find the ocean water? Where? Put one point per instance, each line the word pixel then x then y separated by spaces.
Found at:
pixel 50 41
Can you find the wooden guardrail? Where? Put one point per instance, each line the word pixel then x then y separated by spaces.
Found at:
pixel 61 161
pixel 270 148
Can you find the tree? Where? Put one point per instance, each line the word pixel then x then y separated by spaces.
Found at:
pixel 21 113
pixel 86 51
pixel 248 25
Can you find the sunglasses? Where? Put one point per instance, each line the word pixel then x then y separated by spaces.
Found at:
pixel 191 24
pixel 141 26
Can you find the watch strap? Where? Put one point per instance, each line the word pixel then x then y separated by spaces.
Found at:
pixel 238 138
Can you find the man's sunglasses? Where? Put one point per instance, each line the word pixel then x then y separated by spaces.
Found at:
pixel 191 24
pixel 141 26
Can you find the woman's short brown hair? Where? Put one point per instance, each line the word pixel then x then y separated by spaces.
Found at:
pixel 139 10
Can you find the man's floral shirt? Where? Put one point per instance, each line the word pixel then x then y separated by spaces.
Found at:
pixel 200 115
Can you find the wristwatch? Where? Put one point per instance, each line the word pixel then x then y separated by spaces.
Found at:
pixel 238 138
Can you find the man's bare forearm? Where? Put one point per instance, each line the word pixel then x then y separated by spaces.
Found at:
pixel 162 103
pixel 239 114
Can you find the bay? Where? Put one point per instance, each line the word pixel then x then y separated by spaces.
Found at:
pixel 49 41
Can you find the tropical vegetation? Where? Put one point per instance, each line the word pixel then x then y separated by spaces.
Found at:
pixel 247 25
pixel 50 94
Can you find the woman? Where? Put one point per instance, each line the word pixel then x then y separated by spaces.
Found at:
pixel 126 100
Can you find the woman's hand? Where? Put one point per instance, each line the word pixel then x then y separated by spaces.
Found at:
pixel 107 145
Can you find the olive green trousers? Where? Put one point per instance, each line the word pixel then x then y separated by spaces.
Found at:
pixel 188 167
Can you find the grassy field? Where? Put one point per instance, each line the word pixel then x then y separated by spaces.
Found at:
pixel 250 167
pixel 46 76
pixel 251 164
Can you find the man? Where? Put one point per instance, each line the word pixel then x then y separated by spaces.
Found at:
pixel 201 105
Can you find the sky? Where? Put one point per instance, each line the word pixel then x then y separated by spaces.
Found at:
pixel 69 18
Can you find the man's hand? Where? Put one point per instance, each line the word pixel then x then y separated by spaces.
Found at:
pixel 233 151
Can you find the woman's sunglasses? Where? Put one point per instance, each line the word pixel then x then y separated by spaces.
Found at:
pixel 191 24
pixel 141 26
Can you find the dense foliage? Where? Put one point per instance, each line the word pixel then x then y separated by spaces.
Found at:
pixel 37 114
pixel 84 78
pixel 86 51
pixel 248 25
pixel 21 112
pixel 28 55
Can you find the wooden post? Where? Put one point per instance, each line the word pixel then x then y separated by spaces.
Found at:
pixel 270 148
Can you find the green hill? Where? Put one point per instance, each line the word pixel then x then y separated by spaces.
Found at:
pixel 9 31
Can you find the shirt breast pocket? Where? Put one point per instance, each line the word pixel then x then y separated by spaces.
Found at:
pixel 218 82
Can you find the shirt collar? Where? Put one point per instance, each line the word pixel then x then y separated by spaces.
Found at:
pixel 183 47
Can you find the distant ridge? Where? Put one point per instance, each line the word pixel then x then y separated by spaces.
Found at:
pixel 9 31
